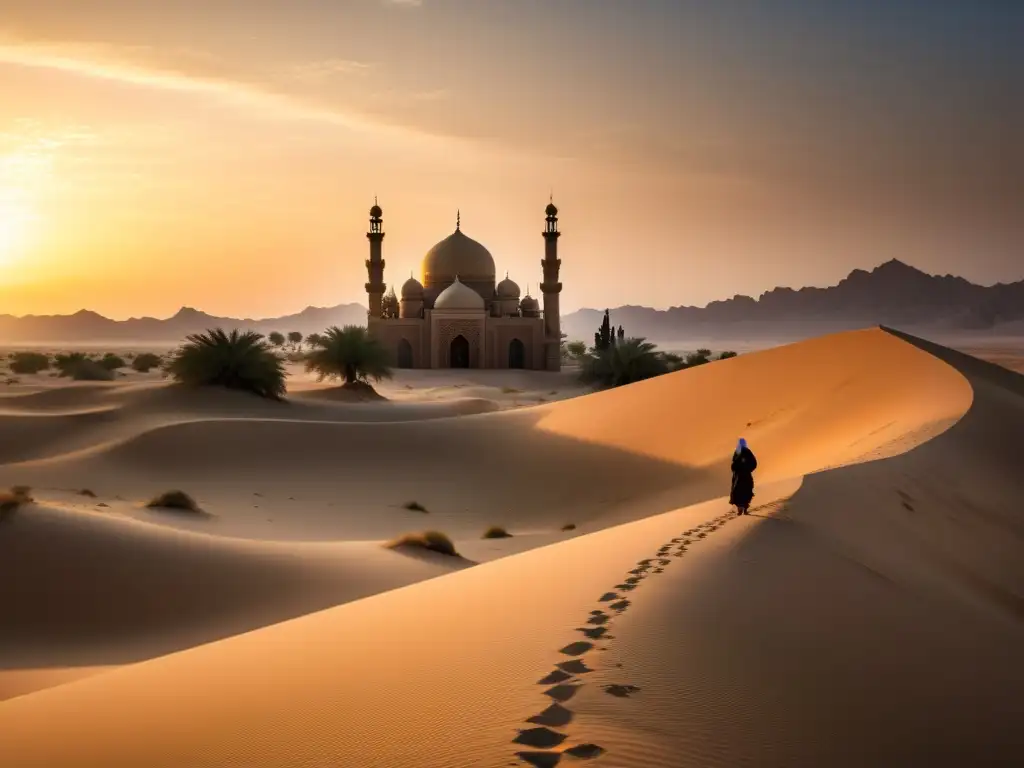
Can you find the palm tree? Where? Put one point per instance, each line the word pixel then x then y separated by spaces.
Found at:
pixel 295 337
pixel 625 362
pixel 349 353
pixel 237 361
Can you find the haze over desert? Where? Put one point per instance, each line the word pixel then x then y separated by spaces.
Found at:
pixel 460 384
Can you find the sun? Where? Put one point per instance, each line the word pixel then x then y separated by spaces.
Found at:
pixel 17 222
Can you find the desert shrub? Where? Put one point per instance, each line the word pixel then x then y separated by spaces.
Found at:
pixel 576 349
pixel 29 362
pixel 726 355
pixel 178 500
pixel 496 532
pixel 349 353
pixel 146 361
pixel 625 362
pixel 510 390
pixel 81 368
pixel 237 360
pixel 569 527
pixel 87 492
pixel 434 541
pixel 295 338
pixel 13 498
pixel 112 362
pixel 276 338
pixel 700 357
pixel 415 506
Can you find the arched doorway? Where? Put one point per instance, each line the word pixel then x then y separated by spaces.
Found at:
pixel 404 354
pixel 459 352
pixel 516 354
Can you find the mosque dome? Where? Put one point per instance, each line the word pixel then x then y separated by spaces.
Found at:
pixel 529 304
pixel 412 289
pixel 457 255
pixel 459 296
pixel 551 210
pixel 507 289
pixel 376 211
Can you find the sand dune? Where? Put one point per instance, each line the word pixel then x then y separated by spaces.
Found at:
pixel 871 618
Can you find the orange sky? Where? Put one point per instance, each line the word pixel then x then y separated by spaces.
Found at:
pixel 154 155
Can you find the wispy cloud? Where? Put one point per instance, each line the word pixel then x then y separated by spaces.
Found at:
pixel 315 70
pixel 129 66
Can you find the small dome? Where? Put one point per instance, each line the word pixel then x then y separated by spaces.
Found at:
pixel 459 296
pixel 551 210
pixel 376 212
pixel 412 289
pixel 507 289
pixel 529 303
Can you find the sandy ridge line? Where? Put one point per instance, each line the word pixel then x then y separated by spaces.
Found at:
pixel 566 679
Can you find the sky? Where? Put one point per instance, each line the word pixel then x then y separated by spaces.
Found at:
pixel 223 154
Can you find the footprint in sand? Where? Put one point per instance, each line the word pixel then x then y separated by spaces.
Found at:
pixel 633 580
pixel 622 691
pixel 558 676
pixel 594 632
pixel 607 596
pixel 541 737
pixel 540 759
pixel 576 667
pixel 555 716
pixel 562 692
pixel 602 619
pixel 585 751
pixel 659 570
pixel 663 561
pixel 620 606
pixel 625 587
pixel 578 648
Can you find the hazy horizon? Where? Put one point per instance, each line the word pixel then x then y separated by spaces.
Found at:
pixel 224 157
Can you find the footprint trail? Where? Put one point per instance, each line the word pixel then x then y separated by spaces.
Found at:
pixel 546 746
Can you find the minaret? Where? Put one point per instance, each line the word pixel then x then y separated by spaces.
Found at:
pixel 550 288
pixel 375 264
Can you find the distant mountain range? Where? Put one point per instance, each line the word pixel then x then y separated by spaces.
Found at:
pixel 893 294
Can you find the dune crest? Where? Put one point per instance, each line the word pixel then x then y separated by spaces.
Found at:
pixel 429 658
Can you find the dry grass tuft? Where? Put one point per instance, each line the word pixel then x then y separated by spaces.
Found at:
pixel 176 500
pixel 496 532
pixel 415 506
pixel 434 541
pixel 569 527
pixel 87 492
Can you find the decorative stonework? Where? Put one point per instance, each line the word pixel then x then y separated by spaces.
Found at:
pixel 447 330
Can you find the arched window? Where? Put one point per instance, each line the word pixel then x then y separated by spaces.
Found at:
pixel 516 354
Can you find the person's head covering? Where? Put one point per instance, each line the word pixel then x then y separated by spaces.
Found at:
pixel 741 444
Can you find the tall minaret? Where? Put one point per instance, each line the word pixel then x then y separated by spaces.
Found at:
pixel 551 288
pixel 375 264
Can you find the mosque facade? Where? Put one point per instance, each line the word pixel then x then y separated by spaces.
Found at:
pixel 457 315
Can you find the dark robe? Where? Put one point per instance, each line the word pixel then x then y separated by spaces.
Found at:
pixel 743 465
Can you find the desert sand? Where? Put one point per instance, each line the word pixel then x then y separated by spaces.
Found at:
pixel 868 612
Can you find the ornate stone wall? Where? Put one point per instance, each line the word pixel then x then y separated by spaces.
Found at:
pixel 446 329
pixel 530 331
pixel 390 332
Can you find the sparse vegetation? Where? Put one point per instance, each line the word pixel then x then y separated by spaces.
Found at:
pixel 415 506
pixel 29 362
pixel 12 499
pixel 87 492
pixel 576 349
pixel 569 527
pixel 496 532
pixel 112 362
pixel 628 360
pixel 510 390
pixel 241 361
pixel 145 362
pixel 726 355
pixel 295 339
pixel 79 367
pixel 434 541
pixel 351 354
pixel 177 500
pixel 276 338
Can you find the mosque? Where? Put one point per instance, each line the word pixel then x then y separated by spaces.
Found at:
pixel 458 316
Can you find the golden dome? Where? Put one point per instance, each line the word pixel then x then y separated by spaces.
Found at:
pixel 457 255
pixel 459 296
